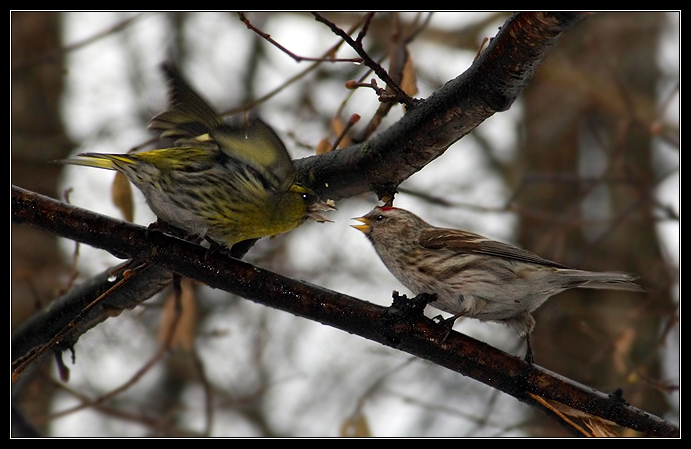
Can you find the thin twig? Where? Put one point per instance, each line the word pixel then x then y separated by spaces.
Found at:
pixel 147 366
pixel 55 55
pixel 351 121
pixel 267 37
pixel 356 45
pixel 252 104
pixel 25 362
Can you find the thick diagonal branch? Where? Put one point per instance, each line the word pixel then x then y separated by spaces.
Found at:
pixel 490 85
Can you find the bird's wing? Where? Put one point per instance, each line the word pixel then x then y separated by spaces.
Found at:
pixel 258 146
pixel 465 242
pixel 188 116
pixel 193 123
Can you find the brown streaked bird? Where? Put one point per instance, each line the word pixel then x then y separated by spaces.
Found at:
pixel 472 275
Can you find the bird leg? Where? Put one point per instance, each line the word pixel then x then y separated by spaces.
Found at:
pixel 239 250
pixel 448 323
pixel 213 247
pixel 529 355
pixel 166 228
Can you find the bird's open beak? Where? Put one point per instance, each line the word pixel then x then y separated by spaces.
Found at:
pixel 321 206
pixel 365 227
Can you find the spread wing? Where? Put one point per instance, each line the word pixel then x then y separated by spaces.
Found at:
pixel 258 146
pixel 465 242
pixel 192 122
pixel 188 116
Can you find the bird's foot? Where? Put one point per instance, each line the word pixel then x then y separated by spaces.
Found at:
pixel 447 323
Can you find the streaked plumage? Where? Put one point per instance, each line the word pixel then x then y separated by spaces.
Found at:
pixel 472 275
pixel 223 182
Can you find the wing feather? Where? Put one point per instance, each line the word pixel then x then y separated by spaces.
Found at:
pixel 465 242
pixel 193 123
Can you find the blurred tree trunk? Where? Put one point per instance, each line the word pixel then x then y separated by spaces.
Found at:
pixel 37 136
pixel 586 202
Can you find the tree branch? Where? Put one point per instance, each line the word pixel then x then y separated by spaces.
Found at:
pixel 267 37
pixel 429 127
pixel 395 327
pixel 432 125
pixel 356 44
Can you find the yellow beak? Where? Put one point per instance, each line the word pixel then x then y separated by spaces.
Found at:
pixel 365 228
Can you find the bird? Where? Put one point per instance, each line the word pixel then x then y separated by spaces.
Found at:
pixel 223 182
pixel 473 276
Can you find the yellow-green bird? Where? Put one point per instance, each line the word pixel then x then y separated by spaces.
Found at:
pixel 222 182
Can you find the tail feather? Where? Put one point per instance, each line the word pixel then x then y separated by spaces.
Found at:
pixel 609 280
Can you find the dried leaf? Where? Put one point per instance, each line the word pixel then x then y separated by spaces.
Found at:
pixel 121 193
pixel 185 331
pixel 599 427
pixel 622 350
pixel 409 78
pixel 324 146
pixel 356 426
pixel 338 128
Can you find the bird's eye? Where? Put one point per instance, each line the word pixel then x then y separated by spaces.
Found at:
pixel 380 217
